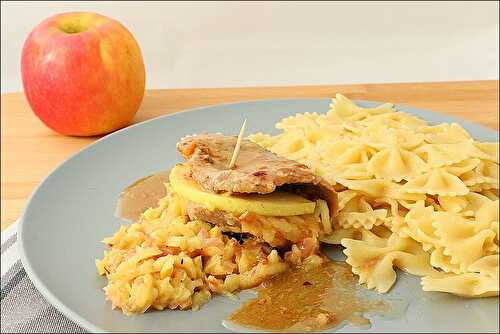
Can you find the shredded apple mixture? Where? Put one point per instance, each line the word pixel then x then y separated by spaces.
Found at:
pixel 168 261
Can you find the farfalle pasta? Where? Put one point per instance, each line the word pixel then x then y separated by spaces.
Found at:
pixel 438 181
pixel 419 226
pixel 445 134
pixel 465 284
pixel 373 258
pixel 437 155
pixel 486 151
pixel 480 281
pixel 443 262
pixel 416 196
pixel 464 240
pixel 467 205
pixel 344 109
pixel 357 213
pixel 396 163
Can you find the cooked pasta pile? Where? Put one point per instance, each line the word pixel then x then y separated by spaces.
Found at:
pixel 419 197
pixel 167 261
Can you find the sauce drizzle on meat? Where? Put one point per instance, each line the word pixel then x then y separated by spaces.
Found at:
pixel 308 300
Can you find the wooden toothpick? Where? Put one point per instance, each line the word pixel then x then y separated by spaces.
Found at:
pixel 238 145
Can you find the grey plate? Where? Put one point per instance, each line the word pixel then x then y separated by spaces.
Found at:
pixel 73 209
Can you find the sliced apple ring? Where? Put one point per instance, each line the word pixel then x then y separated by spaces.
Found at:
pixel 278 203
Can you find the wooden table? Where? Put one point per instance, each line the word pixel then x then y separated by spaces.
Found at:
pixel 30 150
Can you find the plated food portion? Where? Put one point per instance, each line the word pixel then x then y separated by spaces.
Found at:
pixel 218 230
pixel 393 190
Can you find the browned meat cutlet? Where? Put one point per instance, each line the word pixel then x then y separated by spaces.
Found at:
pixel 278 232
pixel 225 220
pixel 257 170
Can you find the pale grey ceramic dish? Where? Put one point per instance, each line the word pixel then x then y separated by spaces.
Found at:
pixel 73 209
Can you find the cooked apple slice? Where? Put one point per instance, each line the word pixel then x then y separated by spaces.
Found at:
pixel 278 203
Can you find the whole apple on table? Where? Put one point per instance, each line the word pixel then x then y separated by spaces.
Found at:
pixel 83 74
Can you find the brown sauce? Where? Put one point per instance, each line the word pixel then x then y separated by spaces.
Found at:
pixel 308 300
pixel 141 195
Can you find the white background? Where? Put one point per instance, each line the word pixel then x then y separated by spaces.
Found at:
pixel 223 44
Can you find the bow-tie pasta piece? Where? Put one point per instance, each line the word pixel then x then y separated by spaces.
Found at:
pixel 419 226
pixel 379 136
pixel 353 129
pixel 299 122
pixel 396 213
pixel 465 285
pixel 263 139
pixel 487 265
pixel 486 151
pixel 374 258
pixel 378 188
pixel 374 126
pixel 407 204
pixel 345 109
pixel 400 120
pixel 356 171
pixel 291 145
pixel 465 241
pixel 445 134
pixel 462 167
pixel 310 126
pixel 467 204
pixel 344 197
pixel 396 224
pixel 473 179
pixel 377 235
pixel 345 152
pixel 487 213
pixel 481 280
pixel 282 144
pixel 338 234
pixel 440 260
pixel 396 164
pixel 357 213
pixel 308 155
pixel 474 172
pixel 487 171
pixel 437 181
pixel 437 155
pixel 487 217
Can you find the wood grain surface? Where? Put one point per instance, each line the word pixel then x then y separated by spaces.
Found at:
pixel 30 150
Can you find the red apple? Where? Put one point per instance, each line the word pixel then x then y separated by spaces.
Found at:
pixel 83 74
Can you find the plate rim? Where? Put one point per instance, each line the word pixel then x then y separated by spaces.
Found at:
pixel 73 315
